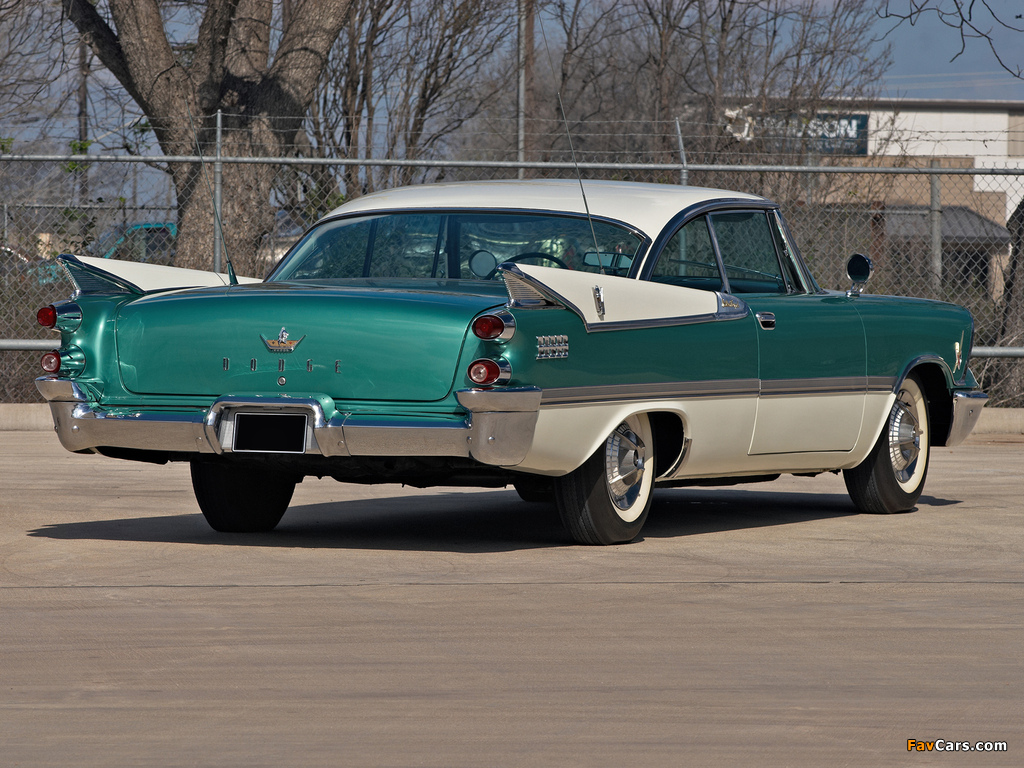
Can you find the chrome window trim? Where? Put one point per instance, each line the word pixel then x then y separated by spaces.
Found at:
pixel 811 285
pixel 723 273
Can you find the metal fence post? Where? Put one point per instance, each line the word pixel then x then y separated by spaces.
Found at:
pixel 935 222
pixel 218 178
pixel 684 175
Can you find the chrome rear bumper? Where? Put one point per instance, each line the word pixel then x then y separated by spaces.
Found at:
pixel 497 430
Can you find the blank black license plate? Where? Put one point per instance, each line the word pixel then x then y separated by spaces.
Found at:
pixel 270 432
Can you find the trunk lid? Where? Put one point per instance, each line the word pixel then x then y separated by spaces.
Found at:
pixel 361 340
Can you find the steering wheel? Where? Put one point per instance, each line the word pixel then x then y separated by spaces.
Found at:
pixel 531 255
pixel 777 279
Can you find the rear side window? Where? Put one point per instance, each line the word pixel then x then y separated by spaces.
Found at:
pixel 689 259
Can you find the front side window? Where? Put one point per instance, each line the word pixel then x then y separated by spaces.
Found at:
pixel 748 251
pixel 457 245
pixel 750 246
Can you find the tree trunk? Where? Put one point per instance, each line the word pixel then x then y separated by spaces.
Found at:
pixel 231 66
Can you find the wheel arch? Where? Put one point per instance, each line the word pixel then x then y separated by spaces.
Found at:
pixel 669 441
pixel 935 380
pixel 566 438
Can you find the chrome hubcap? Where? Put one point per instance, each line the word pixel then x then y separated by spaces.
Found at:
pixel 625 457
pixel 904 438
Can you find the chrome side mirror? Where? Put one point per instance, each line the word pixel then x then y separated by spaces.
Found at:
pixel 859 269
pixel 482 263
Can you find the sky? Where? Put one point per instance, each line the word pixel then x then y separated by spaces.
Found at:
pixel 922 68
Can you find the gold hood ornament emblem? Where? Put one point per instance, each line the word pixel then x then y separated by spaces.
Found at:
pixel 282 343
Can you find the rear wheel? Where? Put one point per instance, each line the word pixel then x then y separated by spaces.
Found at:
pixel 238 499
pixel 607 499
pixel 892 477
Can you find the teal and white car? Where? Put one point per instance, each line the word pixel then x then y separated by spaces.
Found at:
pixel 583 350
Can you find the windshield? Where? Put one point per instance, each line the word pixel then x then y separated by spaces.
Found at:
pixel 466 246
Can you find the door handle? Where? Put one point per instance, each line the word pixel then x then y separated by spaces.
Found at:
pixel 767 320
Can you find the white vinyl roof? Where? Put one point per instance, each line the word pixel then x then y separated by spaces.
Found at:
pixel 647 207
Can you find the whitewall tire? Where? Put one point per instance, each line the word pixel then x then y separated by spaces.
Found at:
pixel 608 498
pixel 892 477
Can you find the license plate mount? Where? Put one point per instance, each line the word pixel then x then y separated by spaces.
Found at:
pixel 269 433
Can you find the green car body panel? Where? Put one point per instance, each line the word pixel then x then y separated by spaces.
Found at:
pixel 357 343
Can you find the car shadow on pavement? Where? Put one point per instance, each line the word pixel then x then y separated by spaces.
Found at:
pixel 931 501
pixel 692 511
pixel 489 521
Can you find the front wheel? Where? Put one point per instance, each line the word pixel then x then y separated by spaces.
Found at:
pixel 892 477
pixel 607 499
pixel 239 499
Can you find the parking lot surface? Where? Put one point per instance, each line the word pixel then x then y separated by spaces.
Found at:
pixel 759 625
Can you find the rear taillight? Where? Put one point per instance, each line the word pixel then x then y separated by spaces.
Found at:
pixel 47 316
pixel 50 361
pixel 69 362
pixel 485 372
pixel 494 326
pixel 65 316
pixel 486 327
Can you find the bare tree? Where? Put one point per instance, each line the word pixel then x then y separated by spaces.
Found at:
pixel 636 65
pixel 29 64
pixel 404 76
pixel 230 57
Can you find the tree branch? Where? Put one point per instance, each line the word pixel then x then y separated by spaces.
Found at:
pixel 960 17
pixel 104 42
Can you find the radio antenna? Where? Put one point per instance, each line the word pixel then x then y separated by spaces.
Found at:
pixel 579 178
pixel 232 278
pixel 572 152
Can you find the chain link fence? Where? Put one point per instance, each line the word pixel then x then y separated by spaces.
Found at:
pixel 936 231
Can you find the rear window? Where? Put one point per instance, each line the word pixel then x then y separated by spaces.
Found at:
pixel 461 245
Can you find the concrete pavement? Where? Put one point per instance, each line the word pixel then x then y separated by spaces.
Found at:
pixel 764 625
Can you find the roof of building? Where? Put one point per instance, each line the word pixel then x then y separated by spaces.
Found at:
pixel 959 225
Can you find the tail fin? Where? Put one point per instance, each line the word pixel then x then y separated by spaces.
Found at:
pixel 90 279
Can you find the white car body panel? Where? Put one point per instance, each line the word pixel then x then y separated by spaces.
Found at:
pixel 624 299
pixel 807 423
pixel 719 429
pixel 156 277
